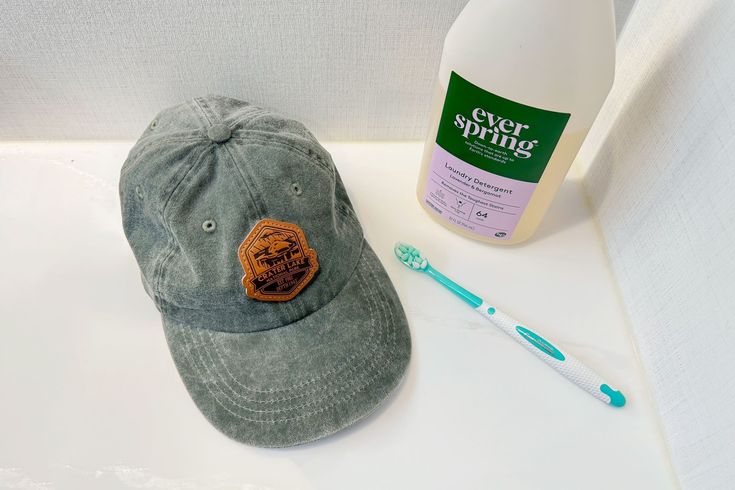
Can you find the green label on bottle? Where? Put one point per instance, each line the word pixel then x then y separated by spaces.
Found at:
pixel 497 135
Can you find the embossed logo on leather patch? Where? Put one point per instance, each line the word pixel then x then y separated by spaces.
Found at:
pixel 277 260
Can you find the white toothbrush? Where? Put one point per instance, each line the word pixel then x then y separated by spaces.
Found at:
pixel 568 366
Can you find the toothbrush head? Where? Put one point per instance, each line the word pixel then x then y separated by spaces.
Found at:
pixel 410 256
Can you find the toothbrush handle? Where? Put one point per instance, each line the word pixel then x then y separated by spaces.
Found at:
pixel 551 354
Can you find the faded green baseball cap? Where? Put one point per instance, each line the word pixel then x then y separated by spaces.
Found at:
pixel 280 319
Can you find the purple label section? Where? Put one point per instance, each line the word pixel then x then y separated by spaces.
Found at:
pixel 481 202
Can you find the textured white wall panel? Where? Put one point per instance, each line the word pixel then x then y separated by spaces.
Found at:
pixel 98 69
pixel 101 69
pixel 661 171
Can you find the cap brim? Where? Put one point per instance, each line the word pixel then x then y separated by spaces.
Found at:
pixel 303 381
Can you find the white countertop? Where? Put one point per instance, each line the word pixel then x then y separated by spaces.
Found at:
pixel 92 400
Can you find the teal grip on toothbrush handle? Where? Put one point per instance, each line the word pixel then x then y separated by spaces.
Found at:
pixel 564 363
pixel 470 298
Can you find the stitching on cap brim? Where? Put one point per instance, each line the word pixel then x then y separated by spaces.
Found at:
pixel 390 322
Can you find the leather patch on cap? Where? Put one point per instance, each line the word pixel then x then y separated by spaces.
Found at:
pixel 277 260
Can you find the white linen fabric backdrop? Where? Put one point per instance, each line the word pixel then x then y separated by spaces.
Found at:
pixel 656 164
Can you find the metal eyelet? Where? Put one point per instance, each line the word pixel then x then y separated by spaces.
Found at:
pixel 139 192
pixel 154 124
pixel 296 189
pixel 209 226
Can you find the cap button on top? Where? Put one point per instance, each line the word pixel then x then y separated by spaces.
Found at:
pixel 219 133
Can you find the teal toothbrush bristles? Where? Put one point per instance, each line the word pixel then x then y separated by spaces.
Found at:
pixel 410 256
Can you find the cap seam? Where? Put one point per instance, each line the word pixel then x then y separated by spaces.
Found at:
pixel 256 204
pixel 254 112
pixel 253 192
pixel 196 102
pixel 171 245
pixel 141 152
pixel 253 115
pixel 198 136
pixel 254 135
pixel 264 113
pixel 302 148
pixel 288 308
pixel 203 107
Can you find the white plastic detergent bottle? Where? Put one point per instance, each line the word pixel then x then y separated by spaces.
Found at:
pixel 519 85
